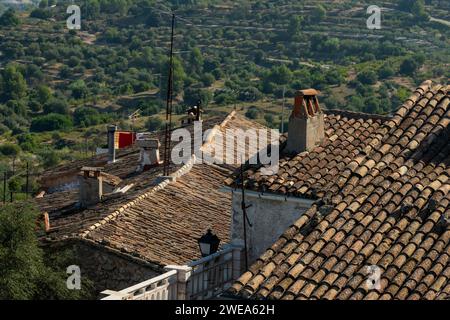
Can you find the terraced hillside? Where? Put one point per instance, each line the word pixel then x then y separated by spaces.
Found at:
pixel 59 87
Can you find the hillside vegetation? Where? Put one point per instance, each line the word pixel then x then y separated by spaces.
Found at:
pixel 60 87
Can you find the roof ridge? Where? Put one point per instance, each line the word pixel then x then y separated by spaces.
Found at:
pixel 177 174
pixel 357 114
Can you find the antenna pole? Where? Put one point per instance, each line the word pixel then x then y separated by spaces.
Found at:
pixel 282 110
pixel 244 211
pixel 169 104
pixel 28 179
pixel 4 187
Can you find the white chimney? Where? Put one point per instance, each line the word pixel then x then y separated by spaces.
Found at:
pixel 306 123
pixel 149 156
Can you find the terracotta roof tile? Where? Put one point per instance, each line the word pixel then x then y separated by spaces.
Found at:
pixel 157 222
pixel 383 213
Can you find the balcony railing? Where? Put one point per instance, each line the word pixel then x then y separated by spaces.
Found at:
pixel 200 280
pixel 162 287
pixel 211 275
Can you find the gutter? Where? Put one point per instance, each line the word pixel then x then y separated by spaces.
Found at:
pixel 270 196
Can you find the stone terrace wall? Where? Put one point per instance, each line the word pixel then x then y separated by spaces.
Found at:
pixel 106 268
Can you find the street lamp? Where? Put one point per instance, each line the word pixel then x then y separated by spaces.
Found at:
pixel 208 243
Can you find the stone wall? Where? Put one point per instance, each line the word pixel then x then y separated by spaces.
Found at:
pixel 107 269
pixel 269 217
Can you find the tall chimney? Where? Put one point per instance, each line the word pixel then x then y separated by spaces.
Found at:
pixel 91 186
pixel 112 143
pixel 149 156
pixel 306 124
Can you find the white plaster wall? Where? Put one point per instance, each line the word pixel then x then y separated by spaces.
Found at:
pixel 269 218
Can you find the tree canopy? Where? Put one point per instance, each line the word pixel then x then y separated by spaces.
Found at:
pixel 9 18
pixel 26 272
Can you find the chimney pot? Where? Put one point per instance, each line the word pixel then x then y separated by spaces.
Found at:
pixel 306 123
pixel 149 156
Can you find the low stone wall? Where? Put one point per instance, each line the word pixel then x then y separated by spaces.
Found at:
pixel 107 269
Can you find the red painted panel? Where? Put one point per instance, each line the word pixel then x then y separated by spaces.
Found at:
pixel 125 139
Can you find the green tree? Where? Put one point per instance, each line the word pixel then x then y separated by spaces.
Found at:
pixel 26 272
pixel 56 106
pixel 269 120
pixel 12 84
pixel 193 95
pixel 86 117
pixel 386 71
pixel 50 158
pixel 39 13
pixel 43 94
pixel 252 113
pixel 295 23
pixel 91 9
pixel 280 75
pixel 416 7
pixel 318 13
pixel 367 77
pixel 196 60
pixel 114 6
pixel 51 122
pixel 79 89
pixel 409 66
pixel 178 75
pixel 15 184
pixel 9 149
pixel 9 18
pixel 27 142
pixel 154 124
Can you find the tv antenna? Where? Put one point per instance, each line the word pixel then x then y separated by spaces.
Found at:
pixel 245 219
pixel 169 103
pixel 135 115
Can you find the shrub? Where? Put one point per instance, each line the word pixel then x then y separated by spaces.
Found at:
pixel 252 113
pixel 86 117
pixel 9 149
pixel 27 142
pixel 367 77
pixel 154 124
pixel 56 106
pixel 9 18
pixel 79 89
pixel 40 13
pixel 51 122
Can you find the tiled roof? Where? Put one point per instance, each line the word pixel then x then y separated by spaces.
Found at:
pixel 155 221
pixel 389 207
pixel 307 174
pixel 67 220
pixel 164 226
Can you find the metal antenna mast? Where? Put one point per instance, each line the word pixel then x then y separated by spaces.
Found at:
pixel 282 110
pixel 169 104
pixel 245 218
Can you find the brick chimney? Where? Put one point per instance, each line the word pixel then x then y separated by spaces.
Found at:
pixel 306 124
pixel 91 186
pixel 149 156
